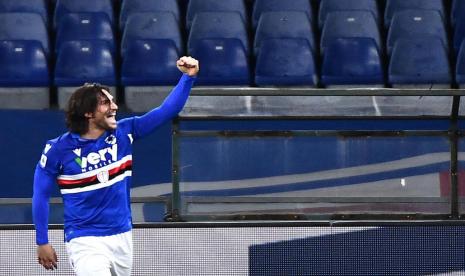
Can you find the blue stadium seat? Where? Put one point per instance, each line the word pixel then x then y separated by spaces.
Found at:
pixel 327 6
pixel 457 12
pixel 419 61
pixel 218 25
pixel 23 63
pixel 85 26
pixel 459 33
pixel 196 6
pixel 416 23
pixel 350 24
pixel 30 6
pixel 150 62
pixel 290 24
pixel 84 61
pixel 460 67
pixel 352 61
pixel 72 6
pixel 24 26
pixel 152 25
pixel 280 5
pixel 224 62
pixel 285 62
pixel 393 6
pixel 129 7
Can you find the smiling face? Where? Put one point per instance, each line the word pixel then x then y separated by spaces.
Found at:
pixel 104 116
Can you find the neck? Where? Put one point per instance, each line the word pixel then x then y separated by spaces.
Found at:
pixel 93 133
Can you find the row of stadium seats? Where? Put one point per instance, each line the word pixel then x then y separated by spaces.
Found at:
pixel 282 49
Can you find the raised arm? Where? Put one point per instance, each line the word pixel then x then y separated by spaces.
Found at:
pixel 175 101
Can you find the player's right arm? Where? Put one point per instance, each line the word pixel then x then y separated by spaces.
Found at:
pixel 44 181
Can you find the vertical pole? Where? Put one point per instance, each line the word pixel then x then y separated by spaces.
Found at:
pixel 175 171
pixel 453 136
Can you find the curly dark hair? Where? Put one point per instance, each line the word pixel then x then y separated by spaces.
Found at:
pixel 83 100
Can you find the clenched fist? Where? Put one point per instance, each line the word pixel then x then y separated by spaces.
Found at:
pixel 188 65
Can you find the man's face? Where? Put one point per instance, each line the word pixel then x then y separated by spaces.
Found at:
pixel 104 116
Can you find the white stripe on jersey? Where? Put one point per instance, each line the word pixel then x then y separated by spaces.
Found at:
pixel 96 171
pixel 96 186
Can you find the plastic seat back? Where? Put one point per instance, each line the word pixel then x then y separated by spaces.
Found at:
pixel 72 6
pixel 327 6
pixel 289 24
pixel 129 7
pixel 85 26
pixel 285 62
pixel 23 63
pixel 224 62
pixel 196 6
pixel 152 25
pixel 393 6
pixel 261 6
pixel 84 61
pixel 150 62
pixel 29 6
pixel 352 61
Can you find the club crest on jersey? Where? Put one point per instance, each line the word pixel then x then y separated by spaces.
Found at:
pixel 111 139
pixel 103 176
pixel 95 160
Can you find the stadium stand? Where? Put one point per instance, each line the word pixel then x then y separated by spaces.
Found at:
pixel 218 25
pixel 350 24
pixel 24 26
pixel 29 6
pixel 261 6
pixel 152 25
pixel 24 75
pixel 85 26
pixel 224 62
pixel 129 7
pixel 393 6
pixel 284 62
pixel 79 62
pixel 287 24
pixel 71 6
pixel 416 23
pixel 197 6
pixel 327 6
pixel 352 62
pixel 419 62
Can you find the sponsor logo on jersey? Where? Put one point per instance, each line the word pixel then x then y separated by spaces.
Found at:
pixel 95 160
pixel 103 176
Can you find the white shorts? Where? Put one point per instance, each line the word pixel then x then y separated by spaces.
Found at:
pixel 105 256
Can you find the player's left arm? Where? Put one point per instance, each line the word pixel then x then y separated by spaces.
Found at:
pixel 175 101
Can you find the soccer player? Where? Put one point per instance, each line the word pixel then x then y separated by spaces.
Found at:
pixel 91 164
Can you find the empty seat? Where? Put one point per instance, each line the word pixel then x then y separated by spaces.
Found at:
pixel 150 62
pixel 421 62
pixel 224 62
pixel 350 24
pixel 289 24
pixel 261 6
pixel 30 6
pixel 460 67
pixel 152 25
pixel 393 6
pixel 84 61
pixel 457 12
pixel 129 7
pixel 72 6
pixel 327 6
pixel 215 25
pixel 285 62
pixel 85 26
pixel 352 61
pixel 196 6
pixel 23 63
pixel 416 23
pixel 24 26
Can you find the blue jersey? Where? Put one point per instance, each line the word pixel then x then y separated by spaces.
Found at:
pixel 94 175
